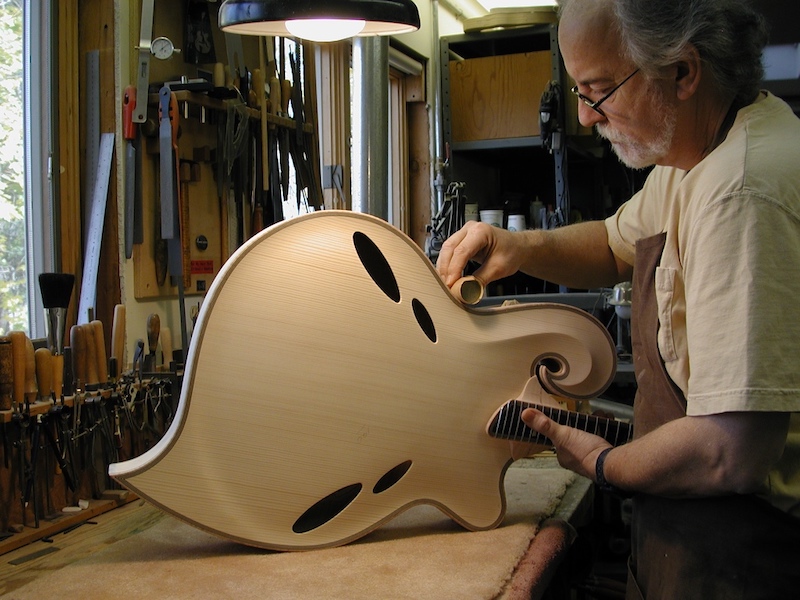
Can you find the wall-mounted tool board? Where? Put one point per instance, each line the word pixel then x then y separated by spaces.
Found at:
pixel 214 219
pixel 206 209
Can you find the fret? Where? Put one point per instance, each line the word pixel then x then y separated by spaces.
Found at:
pixel 507 424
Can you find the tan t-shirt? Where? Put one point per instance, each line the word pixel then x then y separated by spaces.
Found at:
pixel 728 285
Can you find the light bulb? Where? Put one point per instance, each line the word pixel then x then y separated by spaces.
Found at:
pixel 325 30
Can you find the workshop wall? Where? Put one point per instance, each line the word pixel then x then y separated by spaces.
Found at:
pixel 143 292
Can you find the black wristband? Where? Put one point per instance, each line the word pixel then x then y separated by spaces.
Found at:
pixel 600 477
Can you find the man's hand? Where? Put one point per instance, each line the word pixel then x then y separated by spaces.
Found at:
pixel 500 252
pixel 577 256
pixel 576 450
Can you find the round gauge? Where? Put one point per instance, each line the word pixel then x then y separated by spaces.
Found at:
pixel 162 48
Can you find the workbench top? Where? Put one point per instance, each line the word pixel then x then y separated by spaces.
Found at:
pixel 138 550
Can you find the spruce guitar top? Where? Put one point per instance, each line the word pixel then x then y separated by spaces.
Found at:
pixel 333 381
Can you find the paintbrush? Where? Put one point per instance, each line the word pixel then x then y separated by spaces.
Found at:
pixel 56 289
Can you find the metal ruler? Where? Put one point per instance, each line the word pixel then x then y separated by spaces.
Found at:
pixel 94 238
pixel 92 126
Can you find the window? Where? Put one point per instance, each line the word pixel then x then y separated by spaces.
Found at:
pixel 25 222
pixel 13 270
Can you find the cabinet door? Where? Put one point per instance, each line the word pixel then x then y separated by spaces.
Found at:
pixel 497 97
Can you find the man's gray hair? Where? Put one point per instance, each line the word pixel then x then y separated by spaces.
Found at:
pixel 729 35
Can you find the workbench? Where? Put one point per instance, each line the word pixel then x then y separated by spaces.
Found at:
pixel 139 551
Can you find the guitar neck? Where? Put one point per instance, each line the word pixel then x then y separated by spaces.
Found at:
pixel 507 424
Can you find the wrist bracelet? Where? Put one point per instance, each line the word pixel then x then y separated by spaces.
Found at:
pixel 600 477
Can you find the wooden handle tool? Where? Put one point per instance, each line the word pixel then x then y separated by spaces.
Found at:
pixel 153 331
pixel 30 371
pixel 44 372
pixel 18 366
pixel 101 357
pixel 90 349
pixel 166 347
pixel 77 341
pixel 118 337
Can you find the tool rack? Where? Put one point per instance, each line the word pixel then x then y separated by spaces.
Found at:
pixel 118 413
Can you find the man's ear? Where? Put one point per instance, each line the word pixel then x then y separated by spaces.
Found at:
pixel 688 73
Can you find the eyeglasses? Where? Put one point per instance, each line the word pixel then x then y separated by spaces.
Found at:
pixel 595 104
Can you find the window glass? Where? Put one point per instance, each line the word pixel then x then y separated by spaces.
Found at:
pixel 13 272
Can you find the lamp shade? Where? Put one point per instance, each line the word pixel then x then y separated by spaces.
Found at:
pixel 269 17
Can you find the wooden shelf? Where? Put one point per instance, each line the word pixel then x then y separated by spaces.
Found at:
pixel 497 144
pixel 222 105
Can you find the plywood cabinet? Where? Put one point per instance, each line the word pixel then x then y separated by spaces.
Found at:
pixel 497 97
pixel 492 85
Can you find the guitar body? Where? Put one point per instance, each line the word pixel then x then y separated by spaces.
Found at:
pixel 333 381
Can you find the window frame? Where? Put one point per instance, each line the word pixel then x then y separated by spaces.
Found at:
pixel 40 220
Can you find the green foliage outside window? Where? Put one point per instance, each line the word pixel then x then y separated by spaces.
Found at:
pixel 13 295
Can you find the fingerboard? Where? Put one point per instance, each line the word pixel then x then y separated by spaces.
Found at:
pixel 507 424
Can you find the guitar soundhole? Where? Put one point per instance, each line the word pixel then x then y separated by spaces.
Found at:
pixel 424 319
pixel 376 265
pixel 392 477
pixel 326 509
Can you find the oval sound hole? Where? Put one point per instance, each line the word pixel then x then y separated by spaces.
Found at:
pixel 392 476
pixel 326 509
pixel 424 319
pixel 376 265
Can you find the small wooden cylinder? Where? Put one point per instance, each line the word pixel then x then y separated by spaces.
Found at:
pixel 468 290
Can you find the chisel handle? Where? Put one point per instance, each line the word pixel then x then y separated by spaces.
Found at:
pixel 118 337
pixel 128 107
pixel 77 342
pixel 30 371
pixel 101 357
pixel 90 349
pixel 18 343
pixel 153 331
pixel 44 372
pixel 166 346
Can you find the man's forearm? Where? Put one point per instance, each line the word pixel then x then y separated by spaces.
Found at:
pixel 729 453
pixel 577 256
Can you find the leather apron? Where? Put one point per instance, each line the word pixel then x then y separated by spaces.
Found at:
pixel 730 547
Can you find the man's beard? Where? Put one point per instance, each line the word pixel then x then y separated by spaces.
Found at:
pixel 640 154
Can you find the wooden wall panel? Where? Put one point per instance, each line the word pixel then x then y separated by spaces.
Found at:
pixel 69 163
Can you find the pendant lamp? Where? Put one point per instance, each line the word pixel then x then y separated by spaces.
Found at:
pixel 319 20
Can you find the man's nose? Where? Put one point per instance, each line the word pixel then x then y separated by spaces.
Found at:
pixel 588 116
